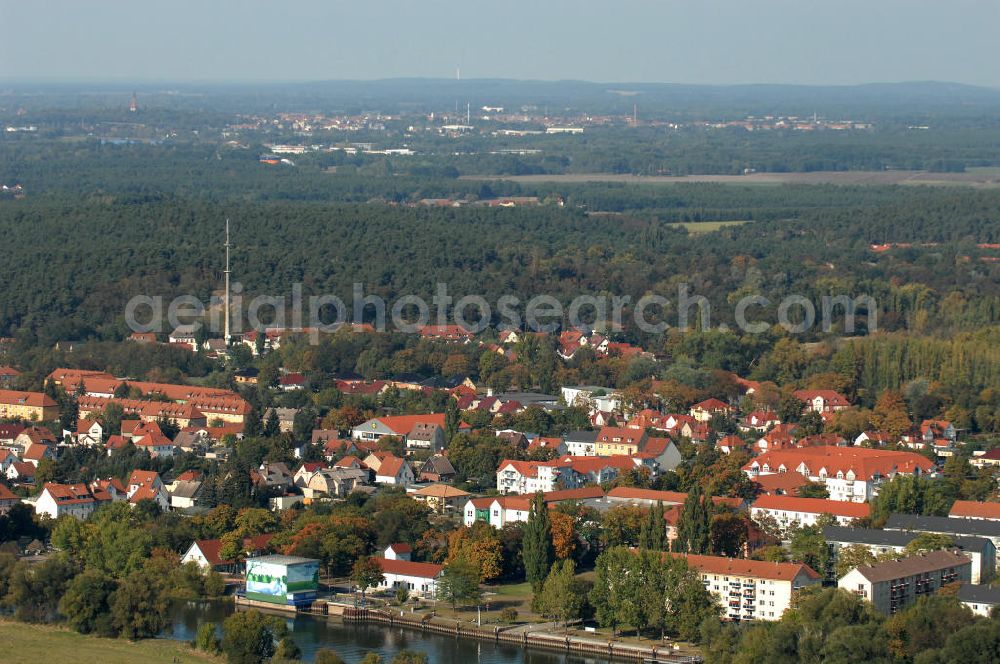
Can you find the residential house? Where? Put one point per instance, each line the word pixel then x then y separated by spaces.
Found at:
pixel 441 497
pixel 398 551
pixel 28 406
pixel 58 500
pixel 425 436
pixel 759 421
pixel 401 426
pixel 822 401
pixel 436 469
pixel 705 410
pixel 206 553
pixel 156 443
pixel 501 510
pixel 184 493
pixel 277 476
pixel 35 453
pixel 971 509
pixel 7 499
pixel 581 443
pixel 8 377
pixel 334 482
pixel 792 511
pixel 147 485
pixel 89 432
pixel 21 472
pixel 893 585
pixel 980 550
pixel 981 600
pixel 619 441
pixel 943 525
pixel 390 469
pixel 851 474
pixel 751 589
pixel 291 382
pixel 419 579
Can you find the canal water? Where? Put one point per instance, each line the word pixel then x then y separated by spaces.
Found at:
pixel 352 641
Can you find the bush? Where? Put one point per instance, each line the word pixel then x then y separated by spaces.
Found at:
pixel 508 615
pixel 327 656
pixel 208 639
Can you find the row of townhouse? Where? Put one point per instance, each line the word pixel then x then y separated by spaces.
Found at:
pixel 851 474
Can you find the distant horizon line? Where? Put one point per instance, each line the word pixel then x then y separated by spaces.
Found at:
pixel 125 81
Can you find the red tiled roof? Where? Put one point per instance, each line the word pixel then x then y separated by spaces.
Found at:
pixel 758 569
pixel 33 399
pixel 865 462
pixel 778 483
pixel 832 397
pixel 210 548
pixel 814 506
pixel 711 404
pixel 976 510
pixel 403 424
pixel 409 568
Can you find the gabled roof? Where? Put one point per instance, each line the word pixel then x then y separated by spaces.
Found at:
pixel 711 405
pixel 813 506
pixel 408 568
pixel 390 466
pixel 864 462
pixel 975 510
pixel 831 397
pixel 69 494
pixel 210 548
pixel 440 491
pixel 757 569
pixel 402 425
pixel 919 564
pixel 32 399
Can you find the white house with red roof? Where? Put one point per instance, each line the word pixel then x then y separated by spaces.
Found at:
pixel 498 511
pixel 398 551
pixel 792 511
pixel 20 472
pixel 402 426
pixel 206 553
pixel 705 410
pixel 822 401
pixel 156 443
pixel 751 589
pixel 971 509
pixel 89 432
pixel 418 579
pixel 759 421
pixel 58 500
pixel 390 469
pixel 851 474
pixel 147 485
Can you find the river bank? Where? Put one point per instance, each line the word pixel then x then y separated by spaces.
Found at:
pixel 25 643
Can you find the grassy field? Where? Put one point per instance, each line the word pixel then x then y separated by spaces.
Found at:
pixel 28 644
pixel 696 227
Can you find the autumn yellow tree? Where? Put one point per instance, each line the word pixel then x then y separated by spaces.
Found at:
pixel 890 413
pixel 563 534
pixel 480 546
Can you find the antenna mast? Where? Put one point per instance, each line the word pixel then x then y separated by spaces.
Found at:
pixel 225 305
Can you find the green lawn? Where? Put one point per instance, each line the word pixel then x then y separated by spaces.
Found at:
pixel 707 226
pixel 29 644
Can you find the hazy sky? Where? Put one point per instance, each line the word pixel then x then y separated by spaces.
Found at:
pixel 686 41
